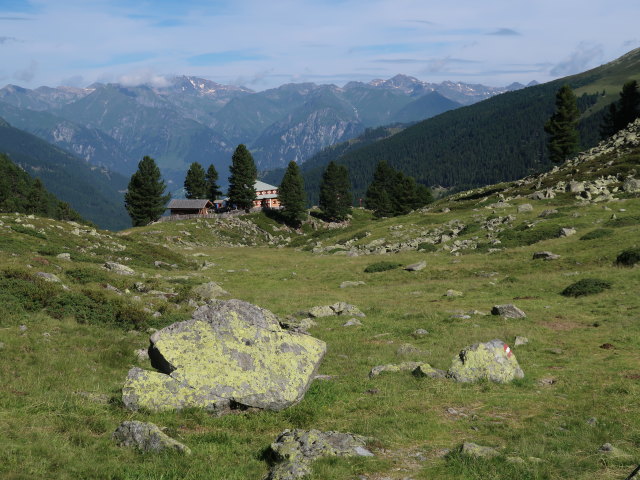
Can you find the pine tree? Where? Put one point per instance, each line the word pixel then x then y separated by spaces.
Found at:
pixel 335 195
pixel 145 200
pixel 562 126
pixel 213 189
pixel 243 177
pixel 195 184
pixel 377 197
pixel 292 195
pixel 628 105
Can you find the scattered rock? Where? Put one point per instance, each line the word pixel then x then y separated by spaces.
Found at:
pixel 406 349
pixel 453 293
pixel 593 421
pixel 354 322
pixel 321 311
pixel 545 256
pixel 119 268
pixel 349 283
pixel 525 207
pixel 402 367
pixel 508 310
pixel 420 332
pixel 426 370
pixel 416 267
pixel 48 277
pixel 209 291
pixel 567 232
pixel 342 308
pixel 491 360
pixel 546 213
pixel 22 328
pixel 520 341
pixel 146 437
pixel 607 346
pixel 64 256
pixel 547 381
pixel 631 185
pixel 142 354
pixel 231 354
pixel 478 451
pixel 611 451
pixel 295 450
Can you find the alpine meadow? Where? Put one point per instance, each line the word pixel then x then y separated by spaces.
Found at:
pixel 279 278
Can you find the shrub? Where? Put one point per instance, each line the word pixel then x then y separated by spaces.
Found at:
pixel 83 275
pixel 629 257
pixel 28 231
pixel 527 236
pixel 628 221
pixel 427 247
pixel 597 233
pixel 381 267
pixel 30 292
pixel 586 286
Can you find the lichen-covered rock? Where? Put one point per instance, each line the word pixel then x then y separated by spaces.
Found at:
pixel 478 451
pixel 321 311
pixel 48 277
pixel 390 367
pixel 525 207
pixel 508 310
pixel 147 437
pixel 230 354
pixel 343 308
pixel 209 291
pixel 426 370
pixel 295 450
pixel 491 361
pixel 119 268
pixel 631 185
pixel 567 232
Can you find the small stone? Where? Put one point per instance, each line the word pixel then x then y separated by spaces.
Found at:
pixel 567 232
pixel 22 328
pixel 545 256
pixel 607 346
pixel 547 381
pixel 406 349
pixel 546 213
pixel 142 354
pixel 593 421
pixel 147 437
pixel 478 451
pixel 64 256
pixel 520 341
pixel 555 351
pixel 525 207
pixel 48 277
pixel 354 322
pixel 349 283
pixel 453 293
pixel 416 267
pixel 420 332
pixel 508 310
pixel 402 367
pixel 119 268
pixel 426 370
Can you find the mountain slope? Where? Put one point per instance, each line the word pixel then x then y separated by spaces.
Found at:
pixel 499 139
pixel 426 106
pixel 95 193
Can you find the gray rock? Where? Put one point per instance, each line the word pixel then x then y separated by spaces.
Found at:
pixel 119 268
pixel 453 293
pixel 575 187
pixel 508 310
pixel 546 213
pixel 420 332
pixel 321 311
pixel 142 354
pixel 64 256
pixel 342 308
pixel 478 451
pixel 402 367
pixel 22 328
pixel 491 361
pixel 426 370
pixel 545 256
pixel 146 437
pixel 406 349
pixel 525 207
pixel 209 291
pixel 48 277
pixel 231 353
pixel 354 322
pixel 294 451
pixel 349 283
pixel 567 232
pixel 416 267
pixel 631 185
pixel 520 341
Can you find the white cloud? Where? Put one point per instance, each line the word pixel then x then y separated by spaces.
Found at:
pixel 583 57
pixel 143 77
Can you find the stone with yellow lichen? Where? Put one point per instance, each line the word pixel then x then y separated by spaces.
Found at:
pixel 491 361
pixel 230 354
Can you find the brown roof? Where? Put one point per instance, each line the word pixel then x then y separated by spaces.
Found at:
pixel 195 203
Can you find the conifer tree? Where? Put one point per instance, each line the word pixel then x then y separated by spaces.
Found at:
pixel 335 192
pixel 213 189
pixel 628 105
pixel 562 126
pixel 377 197
pixel 292 195
pixel 195 184
pixel 145 200
pixel 243 177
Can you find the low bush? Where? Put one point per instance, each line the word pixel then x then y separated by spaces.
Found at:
pixel 597 233
pixel 629 257
pixel 528 236
pixel 83 275
pixel 426 247
pixel 28 231
pixel 627 221
pixel 381 267
pixel 586 286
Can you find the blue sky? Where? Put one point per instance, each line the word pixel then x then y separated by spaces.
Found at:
pixel 262 44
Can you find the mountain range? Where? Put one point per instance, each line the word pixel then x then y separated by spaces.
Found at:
pixel 191 119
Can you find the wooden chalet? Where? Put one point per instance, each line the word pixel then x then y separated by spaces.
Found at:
pixel 186 206
pixel 266 195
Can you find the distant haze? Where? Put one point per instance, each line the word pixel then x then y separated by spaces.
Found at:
pixel 262 44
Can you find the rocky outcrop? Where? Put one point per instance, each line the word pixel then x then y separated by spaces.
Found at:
pixel 508 310
pixel 146 437
pixel 294 451
pixel 118 268
pixel 338 308
pixel 231 354
pixel 490 361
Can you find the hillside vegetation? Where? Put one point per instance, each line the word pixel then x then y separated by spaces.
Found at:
pixel 67 345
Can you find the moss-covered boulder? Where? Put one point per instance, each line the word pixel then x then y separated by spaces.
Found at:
pixel 294 451
pixel 491 361
pixel 231 354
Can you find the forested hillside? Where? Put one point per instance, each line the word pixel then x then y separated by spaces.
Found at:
pixel 499 139
pixel 95 193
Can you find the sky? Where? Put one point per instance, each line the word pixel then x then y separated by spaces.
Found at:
pixel 262 44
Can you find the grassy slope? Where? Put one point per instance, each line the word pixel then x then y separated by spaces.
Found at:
pixel 61 379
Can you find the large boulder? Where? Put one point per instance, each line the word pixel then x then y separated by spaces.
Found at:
pixel 146 437
pixel 508 310
pixel 231 354
pixel 295 450
pixel 119 268
pixel 491 361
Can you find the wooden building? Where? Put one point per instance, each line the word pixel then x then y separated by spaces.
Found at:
pixel 185 206
pixel 266 195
